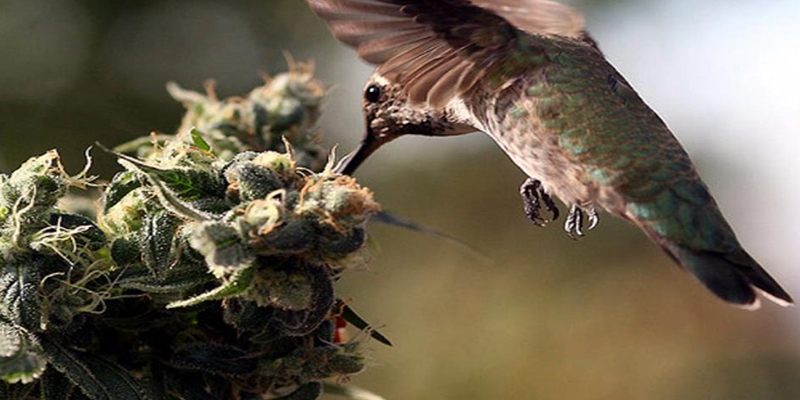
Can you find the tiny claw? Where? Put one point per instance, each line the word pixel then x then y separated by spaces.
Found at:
pixel 550 205
pixel 594 218
pixel 574 224
pixel 533 195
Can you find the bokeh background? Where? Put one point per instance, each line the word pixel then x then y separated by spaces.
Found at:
pixel 609 317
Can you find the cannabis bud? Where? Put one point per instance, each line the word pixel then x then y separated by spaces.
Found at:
pixel 210 258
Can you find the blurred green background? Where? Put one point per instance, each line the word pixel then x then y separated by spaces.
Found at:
pixel 609 317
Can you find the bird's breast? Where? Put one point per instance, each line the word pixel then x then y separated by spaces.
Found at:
pixel 519 128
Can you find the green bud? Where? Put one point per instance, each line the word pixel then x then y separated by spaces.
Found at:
pixel 249 181
pixel 278 162
pixel 260 217
pixel 293 237
pixel 125 250
pixel 290 290
pixel 33 189
pixel 346 364
pixel 246 315
pixel 126 215
pixel 222 247
pixel 339 202
pixel 334 243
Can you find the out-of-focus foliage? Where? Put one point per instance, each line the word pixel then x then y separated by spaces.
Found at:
pixel 203 274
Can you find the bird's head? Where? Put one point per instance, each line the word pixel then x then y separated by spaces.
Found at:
pixel 389 114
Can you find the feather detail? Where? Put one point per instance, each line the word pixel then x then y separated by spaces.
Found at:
pixel 419 43
pixel 539 17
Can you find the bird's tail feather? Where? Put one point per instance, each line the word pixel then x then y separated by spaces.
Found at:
pixel 733 277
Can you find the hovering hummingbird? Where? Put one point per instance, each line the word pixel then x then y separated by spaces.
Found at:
pixel 528 74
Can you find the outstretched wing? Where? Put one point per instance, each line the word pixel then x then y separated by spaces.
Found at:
pixel 438 49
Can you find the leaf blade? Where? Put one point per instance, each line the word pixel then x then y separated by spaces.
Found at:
pixel 350 316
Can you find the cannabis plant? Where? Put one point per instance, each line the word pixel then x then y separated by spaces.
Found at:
pixel 205 270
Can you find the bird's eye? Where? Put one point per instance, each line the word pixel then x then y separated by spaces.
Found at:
pixel 373 93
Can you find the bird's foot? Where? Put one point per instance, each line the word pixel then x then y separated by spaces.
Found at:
pixel 576 219
pixel 533 195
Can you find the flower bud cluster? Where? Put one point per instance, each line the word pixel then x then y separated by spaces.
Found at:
pixel 48 265
pixel 286 106
pixel 258 232
pixel 210 258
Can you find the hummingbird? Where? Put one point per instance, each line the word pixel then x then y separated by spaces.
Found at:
pixel 529 75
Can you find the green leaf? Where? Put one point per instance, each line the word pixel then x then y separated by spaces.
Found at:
pixel 199 142
pixel 97 378
pixel 350 316
pixel 190 184
pixel 176 281
pixel 350 392
pixel 178 188
pixel 158 241
pixel 67 363
pixel 122 184
pixel 119 382
pixel 21 303
pixel 239 282
pixel 19 362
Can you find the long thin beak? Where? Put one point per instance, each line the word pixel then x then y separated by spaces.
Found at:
pixel 368 145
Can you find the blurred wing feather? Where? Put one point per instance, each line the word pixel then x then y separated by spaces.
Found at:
pixel 539 17
pixel 439 49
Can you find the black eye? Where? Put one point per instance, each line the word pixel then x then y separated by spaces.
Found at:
pixel 373 93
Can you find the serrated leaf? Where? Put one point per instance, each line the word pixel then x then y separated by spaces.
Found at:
pixel 239 282
pixel 350 392
pixel 97 378
pixel 158 241
pixel 21 303
pixel 189 184
pixel 175 282
pixel 168 198
pixel 350 316
pixel 19 363
pixel 119 382
pixel 67 363
pixel 199 142
pixel 213 358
